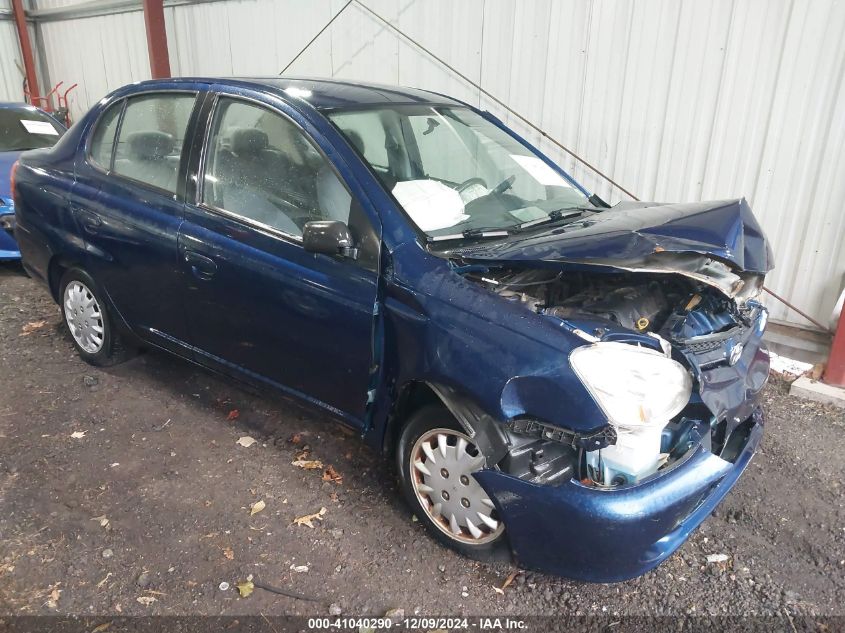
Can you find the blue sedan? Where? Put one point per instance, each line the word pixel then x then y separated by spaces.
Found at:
pixel 22 127
pixel 575 384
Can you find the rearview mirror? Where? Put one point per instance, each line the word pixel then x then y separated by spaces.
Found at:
pixel 329 237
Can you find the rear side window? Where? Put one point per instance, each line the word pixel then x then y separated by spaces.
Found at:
pixel 103 141
pixel 149 143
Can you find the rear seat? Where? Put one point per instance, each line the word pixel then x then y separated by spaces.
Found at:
pixel 149 159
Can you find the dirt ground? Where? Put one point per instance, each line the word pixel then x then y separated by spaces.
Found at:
pixel 125 491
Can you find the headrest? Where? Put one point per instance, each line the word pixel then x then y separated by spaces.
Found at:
pixel 150 145
pixel 248 141
pixel 355 139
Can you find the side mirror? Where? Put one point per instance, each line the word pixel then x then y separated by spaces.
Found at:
pixel 329 237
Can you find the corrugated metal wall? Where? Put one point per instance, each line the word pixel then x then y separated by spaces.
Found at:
pixel 675 99
pixel 11 80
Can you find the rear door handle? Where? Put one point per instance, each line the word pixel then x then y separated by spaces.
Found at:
pixel 201 266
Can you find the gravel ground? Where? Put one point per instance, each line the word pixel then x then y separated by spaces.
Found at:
pixel 124 491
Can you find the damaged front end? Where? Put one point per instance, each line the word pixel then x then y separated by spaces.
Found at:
pixel 662 325
pixel 672 359
pixel 677 367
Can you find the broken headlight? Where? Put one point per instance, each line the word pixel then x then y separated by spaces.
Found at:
pixel 634 386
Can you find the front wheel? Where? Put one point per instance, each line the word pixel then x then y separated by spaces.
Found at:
pixel 436 461
pixel 85 313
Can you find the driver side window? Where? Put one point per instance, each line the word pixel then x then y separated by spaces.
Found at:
pixel 260 167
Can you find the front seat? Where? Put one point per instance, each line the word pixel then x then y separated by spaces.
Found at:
pixel 254 172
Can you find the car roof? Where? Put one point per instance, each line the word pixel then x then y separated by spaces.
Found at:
pixel 326 94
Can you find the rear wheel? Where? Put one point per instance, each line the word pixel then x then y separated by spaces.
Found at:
pixel 85 313
pixel 436 461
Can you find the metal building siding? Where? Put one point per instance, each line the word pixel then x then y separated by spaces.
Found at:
pixel 11 79
pixel 99 53
pixel 675 99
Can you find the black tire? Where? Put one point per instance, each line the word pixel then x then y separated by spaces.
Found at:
pixel 421 422
pixel 113 349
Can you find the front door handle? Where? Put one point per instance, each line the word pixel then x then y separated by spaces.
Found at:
pixel 91 222
pixel 201 266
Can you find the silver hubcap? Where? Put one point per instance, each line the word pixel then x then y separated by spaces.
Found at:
pixel 442 463
pixel 84 317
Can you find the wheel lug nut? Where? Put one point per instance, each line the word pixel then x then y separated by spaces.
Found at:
pixel 465 502
pixel 444 473
pixel 445 495
pixel 465 480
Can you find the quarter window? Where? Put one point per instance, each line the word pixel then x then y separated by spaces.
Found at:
pixel 150 140
pixel 261 167
pixel 102 143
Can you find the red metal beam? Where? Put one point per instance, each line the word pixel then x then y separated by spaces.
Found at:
pixel 834 374
pixel 156 38
pixel 26 53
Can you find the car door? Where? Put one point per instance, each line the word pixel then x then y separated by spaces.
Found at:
pixel 256 301
pixel 129 200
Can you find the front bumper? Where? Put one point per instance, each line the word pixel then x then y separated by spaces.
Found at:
pixel 611 535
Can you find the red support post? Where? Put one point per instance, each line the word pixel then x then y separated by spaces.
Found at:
pixel 835 372
pixel 156 39
pixel 26 52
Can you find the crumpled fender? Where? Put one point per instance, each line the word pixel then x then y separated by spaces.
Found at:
pixel 543 398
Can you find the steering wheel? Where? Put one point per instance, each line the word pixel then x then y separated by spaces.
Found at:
pixel 503 186
pixel 469 182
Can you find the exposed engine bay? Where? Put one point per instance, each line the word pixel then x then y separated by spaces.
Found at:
pixel 641 302
pixel 686 316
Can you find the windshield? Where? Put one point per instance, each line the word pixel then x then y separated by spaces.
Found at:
pixel 23 128
pixel 454 172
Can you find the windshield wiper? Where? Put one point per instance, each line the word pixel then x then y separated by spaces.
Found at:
pixel 470 234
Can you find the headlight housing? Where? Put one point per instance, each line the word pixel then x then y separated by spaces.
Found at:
pixel 636 387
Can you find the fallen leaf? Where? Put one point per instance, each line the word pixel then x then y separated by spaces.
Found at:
pixel 53 600
pixel 228 553
pixel 78 435
pixel 146 600
pixel 308 518
pixel 31 327
pixel 209 535
pixel 717 558
pixel 245 588
pixel 308 464
pixel 303 453
pixel 234 414
pixel 296 438
pixel 257 507
pixel 330 474
pixel 509 579
pixel 299 569
pixel 102 520
pixel 103 581
pixel 246 441
pixel 103 627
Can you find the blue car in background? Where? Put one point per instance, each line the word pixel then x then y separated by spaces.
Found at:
pixel 22 127
pixel 575 384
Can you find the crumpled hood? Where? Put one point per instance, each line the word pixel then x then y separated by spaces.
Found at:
pixel 7 159
pixel 633 234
